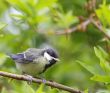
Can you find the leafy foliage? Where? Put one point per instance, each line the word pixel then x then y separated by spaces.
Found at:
pixel 34 23
pixel 104 64
pixel 104 14
pixel 2 25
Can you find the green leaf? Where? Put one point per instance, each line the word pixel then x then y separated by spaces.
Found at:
pixel 21 5
pixel 3 58
pixel 86 91
pixel 99 78
pixel 17 16
pixel 40 89
pixel 28 88
pixel 100 53
pixel 103 56
pixel 2 25
pixel 103 14
pixel 43 3
pixel 88 67
pixel 105 66
pixel 54 90
pixel 65 19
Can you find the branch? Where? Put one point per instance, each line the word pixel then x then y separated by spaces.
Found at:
pixel 81 26
pixel 39 81
pixel 100 27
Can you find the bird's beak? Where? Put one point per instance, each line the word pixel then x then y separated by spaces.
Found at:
pixel 56 59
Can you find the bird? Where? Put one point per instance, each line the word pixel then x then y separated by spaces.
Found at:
pixel 35 61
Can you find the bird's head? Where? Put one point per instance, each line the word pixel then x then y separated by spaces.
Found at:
pixel 51 55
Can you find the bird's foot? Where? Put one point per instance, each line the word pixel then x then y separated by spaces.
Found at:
pixel 29 79
pixel 44 80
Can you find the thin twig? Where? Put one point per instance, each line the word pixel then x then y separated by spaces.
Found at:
pixel 81 26
pixel 100 27
pixel 36 80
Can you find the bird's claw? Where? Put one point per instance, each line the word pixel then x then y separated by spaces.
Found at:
pixel 29 79
pixel 44 81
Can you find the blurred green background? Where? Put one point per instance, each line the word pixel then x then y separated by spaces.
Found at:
pixel 34 23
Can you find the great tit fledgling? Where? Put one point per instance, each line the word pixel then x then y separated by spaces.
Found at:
pixel 35 61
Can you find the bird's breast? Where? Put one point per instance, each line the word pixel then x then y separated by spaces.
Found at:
pixel 33 68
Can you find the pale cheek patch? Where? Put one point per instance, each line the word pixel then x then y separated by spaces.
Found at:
pixel 47 56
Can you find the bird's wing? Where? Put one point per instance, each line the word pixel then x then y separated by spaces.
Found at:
pixel 21 58
pixel 27 56
pixel 17 56
pixel 33 52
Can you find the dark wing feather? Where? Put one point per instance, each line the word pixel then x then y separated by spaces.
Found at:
pixel 27 56
pixel 21 58
pixel 17 56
